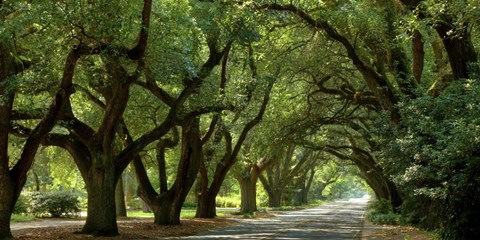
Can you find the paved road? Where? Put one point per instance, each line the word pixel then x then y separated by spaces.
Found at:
pixel 338 220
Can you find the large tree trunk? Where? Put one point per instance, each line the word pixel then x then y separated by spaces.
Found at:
pixel 303 186
pixel 7 187
pixel 101 212
pixel 120 206
pixel 274 193
pixel 460 50
pixel 309 186
pixel 206 205
pixel 248 190
pixel 206 199
pixel 168 205
pixel 36 180
pixel 7 203
pixel 248 185
pixel 418 55
pixel 380 184
pixel 394 194
pixel 275 198
pixel 300 189
pixel 130 189
pixel 165 210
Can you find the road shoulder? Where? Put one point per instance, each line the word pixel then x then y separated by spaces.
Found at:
pixel 391 232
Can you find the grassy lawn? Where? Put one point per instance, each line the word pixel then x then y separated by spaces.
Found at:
pixel 22 218
pixel 186 213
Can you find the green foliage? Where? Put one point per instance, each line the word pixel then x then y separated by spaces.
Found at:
pixel 228 202
pixel 56 204
pixel 435 154
pixel 21 206
pixel 381 212
pixel 380 207
pixel 387 218
pixel 22 218
pixel 414 211
pixel 346 187
pixel 134 203
pixel 189 204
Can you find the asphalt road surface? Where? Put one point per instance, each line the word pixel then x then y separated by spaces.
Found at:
pixel 336 220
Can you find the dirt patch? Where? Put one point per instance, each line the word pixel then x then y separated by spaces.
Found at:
pixel 136 229
pixel 389 232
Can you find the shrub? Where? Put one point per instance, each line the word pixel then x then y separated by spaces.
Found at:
pixel 134 203
pixel 388 218
pixel 228 202
pixel 188 204
pixel 22 205
pixel 381 212
pixel 382 206
pixel 56 204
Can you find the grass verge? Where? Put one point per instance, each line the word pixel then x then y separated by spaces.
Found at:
pixel 186 213
pixel 22 218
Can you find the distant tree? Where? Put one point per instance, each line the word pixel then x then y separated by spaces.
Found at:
pixel 288 165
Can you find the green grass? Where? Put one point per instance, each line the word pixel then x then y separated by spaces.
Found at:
pixel 186 213
pixel 316 203
pixel 22 218
pixel 285 208
pixel 294 208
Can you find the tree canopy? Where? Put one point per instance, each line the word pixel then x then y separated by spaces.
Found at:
pixel 297 94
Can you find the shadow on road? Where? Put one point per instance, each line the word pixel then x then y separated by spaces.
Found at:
pixel 337 220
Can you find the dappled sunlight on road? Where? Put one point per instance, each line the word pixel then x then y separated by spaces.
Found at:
pixel 337 220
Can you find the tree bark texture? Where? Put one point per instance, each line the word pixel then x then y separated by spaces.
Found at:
pixel 247 179
pixel 101 212
pixel 7 203
pixel 120 205
pixel 383 187
pixel 206 205
pixel 165 211
pixel 275 198
pixel 303 185
pixel 248 192
pixel 460 50
pixel 308 187
pixel 418 55
pixel 7 185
